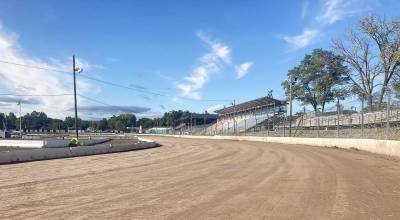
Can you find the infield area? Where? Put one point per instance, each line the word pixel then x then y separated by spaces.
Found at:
pixel 206 179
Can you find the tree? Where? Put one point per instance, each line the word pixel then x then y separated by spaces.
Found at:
pixel 11 121
pixel 69 122
pixel 103 124
pixel 2 121
pixel 146 122
pixel 317 79
pixel 370 69
pixel 386 36
pixel 127 119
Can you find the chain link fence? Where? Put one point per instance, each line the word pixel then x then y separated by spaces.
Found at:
pixel 345 119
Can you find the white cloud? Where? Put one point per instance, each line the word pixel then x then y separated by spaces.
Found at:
pixel 304 9
pixel 177 100
pixel 331 12
pixel 302 40
pixel 213 108
pixel 150 114
pixel 22 80
pixel 212 62
pixel 243 69
pixel 335 10
pixel 111 110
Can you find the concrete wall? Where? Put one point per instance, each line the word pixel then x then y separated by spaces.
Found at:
pixel 385 147
pixel 15 156
pixel 47 143
pixel 56 143
pixel 22 143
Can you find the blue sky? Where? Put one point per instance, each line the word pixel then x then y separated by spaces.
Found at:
pixel 189 51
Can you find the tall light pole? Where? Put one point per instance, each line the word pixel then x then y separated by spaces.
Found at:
pixel 291 82
pixel 234 117
pixel 79 70
pixel 20 118
pixel 388 110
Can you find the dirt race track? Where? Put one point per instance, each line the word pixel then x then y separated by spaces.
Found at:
pixel 206 179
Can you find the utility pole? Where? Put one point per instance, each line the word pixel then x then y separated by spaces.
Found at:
pixel 362 116
pixel 191 123
pixel 292 81
pixel 76 105
pixel 20 118
pixel 204 122
pixel 290 106
pixel 234 117
pixel 338 115
pixel 388 111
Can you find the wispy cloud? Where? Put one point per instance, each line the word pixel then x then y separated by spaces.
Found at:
pixel 23 80
pixel 112 110
pixel 176 100
pixel 213 108
pixel 150 114
pixel 302 40
pixel 329 13
pixel 335 10
pixel 304 9
pixel 217 58
pixel 7 100
pixel 243 69
pixel 165 77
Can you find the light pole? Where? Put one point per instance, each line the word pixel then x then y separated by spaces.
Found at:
pixel 20 118
pixel 291 83
pixel 234 117
pixel 388 111
pixel 79 70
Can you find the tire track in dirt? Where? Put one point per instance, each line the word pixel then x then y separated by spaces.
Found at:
pixel 206 179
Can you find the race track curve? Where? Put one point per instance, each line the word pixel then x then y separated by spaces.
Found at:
pixel 206 179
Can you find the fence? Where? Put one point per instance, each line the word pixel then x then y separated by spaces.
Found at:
pixel 347 119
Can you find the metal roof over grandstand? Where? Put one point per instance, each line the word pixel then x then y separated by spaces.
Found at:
pixel 256 103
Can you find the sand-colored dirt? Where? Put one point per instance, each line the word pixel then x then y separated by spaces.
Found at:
pixel 205 179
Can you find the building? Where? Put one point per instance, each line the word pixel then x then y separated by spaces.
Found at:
pixel 244 116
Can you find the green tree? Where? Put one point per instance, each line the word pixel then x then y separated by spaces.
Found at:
pixel 2 120
pixel 11 121
pixel 317 79
pixel 103 124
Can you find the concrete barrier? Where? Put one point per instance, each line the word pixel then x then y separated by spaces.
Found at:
pixel 22 143
pixel 53 143
pixel 56 143
pixel 16 156
pixel 50 143
pixel 385 147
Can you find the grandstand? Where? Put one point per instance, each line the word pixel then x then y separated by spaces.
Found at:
pixel 347 118
pixel 244 116
pixel 194 123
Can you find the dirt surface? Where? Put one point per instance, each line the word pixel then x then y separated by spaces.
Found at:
pixel 206 179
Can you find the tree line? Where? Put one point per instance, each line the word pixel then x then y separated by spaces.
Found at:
pixel 40 121
pixel 123 122
pixel 364 64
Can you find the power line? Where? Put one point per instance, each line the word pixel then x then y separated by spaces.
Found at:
pixel 95 100
pixel 144 90
pixel 34 67
pixel 27 95
pixel 121 86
